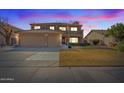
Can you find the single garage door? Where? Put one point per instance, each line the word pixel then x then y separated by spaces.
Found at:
pixel 40 40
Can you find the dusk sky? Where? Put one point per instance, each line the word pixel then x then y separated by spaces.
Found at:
pixel 89 18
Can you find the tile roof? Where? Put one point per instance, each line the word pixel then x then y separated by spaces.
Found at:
pixel 40 31
pixel 103 32
pixel 55 23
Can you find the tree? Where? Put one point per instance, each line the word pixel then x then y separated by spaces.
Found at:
pixel 5 30
pixel 117 31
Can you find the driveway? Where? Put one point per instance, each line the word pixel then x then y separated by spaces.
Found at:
pixel 30 57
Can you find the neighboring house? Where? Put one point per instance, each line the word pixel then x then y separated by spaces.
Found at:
pixel 71 32
pixel 14 35
pixel 2 40
pixel 100 36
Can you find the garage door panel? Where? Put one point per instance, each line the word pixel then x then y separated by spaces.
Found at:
pixel 53 42
pixel 33 42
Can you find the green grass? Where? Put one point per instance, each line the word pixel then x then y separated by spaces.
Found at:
pixel 91 57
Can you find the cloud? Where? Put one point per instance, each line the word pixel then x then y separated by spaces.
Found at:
pixel 104 15
pixel 89 26
pixel 97 18
pixel 68 17
pixel 64 16
pixel 112 11
pixel 29 16
pixel 60 15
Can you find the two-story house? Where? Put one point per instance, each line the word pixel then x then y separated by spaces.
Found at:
pixel 51 35
pixel 71 32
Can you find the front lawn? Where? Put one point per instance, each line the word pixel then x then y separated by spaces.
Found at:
pixel 91 57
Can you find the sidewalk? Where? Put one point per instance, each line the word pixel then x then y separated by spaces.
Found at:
pixel 6 48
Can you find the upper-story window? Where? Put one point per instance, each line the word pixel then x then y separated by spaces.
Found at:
pixel 52 28
pixel 36 27
pixel 62 28
pixel 73 28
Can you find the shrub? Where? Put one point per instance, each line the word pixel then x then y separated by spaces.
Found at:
pixel 74 44
pixel 95 42
pixel 79 44
pixel 121 46
pixel 85 44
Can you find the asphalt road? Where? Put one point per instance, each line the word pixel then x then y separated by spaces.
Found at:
pixel 46 74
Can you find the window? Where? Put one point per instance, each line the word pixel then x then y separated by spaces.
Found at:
pixel 73 40
pixel 52 28
pixel 73 28
pixel 62 28
pixel 36 27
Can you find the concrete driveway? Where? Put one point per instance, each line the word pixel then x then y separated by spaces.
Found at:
pixel 30 57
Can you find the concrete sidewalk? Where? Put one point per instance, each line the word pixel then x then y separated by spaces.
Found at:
pixel 6 48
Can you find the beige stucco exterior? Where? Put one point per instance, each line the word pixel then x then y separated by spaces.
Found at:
pixel 15 38
pixel 95 35
pixel 40 39
pixel 109 40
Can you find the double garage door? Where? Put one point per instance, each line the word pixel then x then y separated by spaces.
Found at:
pixel 40 40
